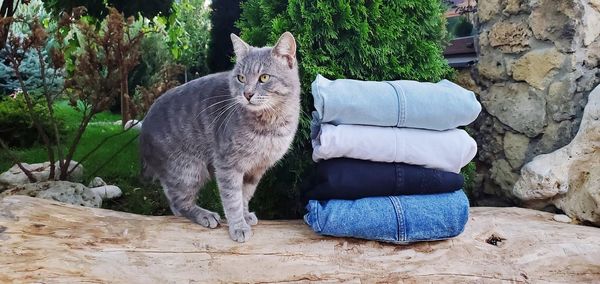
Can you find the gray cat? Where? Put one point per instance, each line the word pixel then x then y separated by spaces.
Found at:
pixel 231 126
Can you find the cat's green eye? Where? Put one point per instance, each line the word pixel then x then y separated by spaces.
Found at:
pixel 241 78
pixel 263 78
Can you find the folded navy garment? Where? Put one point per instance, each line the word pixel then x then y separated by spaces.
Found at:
pixel 345 178
pixel 395 219
pixel 404 103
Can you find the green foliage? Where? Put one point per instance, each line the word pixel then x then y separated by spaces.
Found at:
pixel 459 26
pixel 122 170
pixel 16 124
pixel 30 67
pixel 30 71
pixel 365 40
pixel 220 52
pixel 98 8
pixel 188 35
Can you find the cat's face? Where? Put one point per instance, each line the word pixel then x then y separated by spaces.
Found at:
pixel 264 78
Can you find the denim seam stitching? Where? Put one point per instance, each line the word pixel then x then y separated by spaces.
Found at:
pixel 400 96
pixel 401 236
pixel 322 99
pixel 317 219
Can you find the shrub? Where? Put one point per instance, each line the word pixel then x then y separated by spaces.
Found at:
pixel 366 40
pixel 16 124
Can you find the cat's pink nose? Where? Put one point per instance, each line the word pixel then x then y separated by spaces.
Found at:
pixel 248 95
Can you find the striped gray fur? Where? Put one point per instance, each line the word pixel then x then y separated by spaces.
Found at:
pixel 225 127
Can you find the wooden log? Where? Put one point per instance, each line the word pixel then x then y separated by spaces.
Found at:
pixel 46 241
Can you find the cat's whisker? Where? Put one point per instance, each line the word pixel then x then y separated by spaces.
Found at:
pixel 219 102
pixel 223 112
pixel 230 116
pixel 221 108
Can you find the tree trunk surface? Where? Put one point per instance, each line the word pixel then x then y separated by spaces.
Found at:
pixel 46 241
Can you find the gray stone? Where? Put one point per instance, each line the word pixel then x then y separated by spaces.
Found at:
pixel 62 191
pixel 491 65
pixel 555 136
pixel 502 174
pixel 487 10
pixel 555 20
pixel 96 182
pixel 107 191
pixel 591 25
pixel 561 105
pixel 41 172
pixel 518 106
pixel 515 149
pixel 569 178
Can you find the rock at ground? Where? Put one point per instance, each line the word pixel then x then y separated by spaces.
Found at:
pixel 107 191
pixel 135 124
pixel 45 241
pixel 96 182
pixel 41 172
pixel 63 191
pixel 562 218
pixel 568 178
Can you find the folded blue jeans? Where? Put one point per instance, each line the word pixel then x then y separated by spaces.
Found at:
pixel 404 103
pixel 344 178
pixel 396 219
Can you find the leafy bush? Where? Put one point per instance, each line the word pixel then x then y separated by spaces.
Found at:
pixel 30 67
pixel 16 124
pixel 372 40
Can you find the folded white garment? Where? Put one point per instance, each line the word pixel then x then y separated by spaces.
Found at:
pixel 448 150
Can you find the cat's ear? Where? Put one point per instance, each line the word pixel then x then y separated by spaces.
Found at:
pixel 240 48
pixel 286 49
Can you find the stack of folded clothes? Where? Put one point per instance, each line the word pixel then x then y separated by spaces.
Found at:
pixel 388 158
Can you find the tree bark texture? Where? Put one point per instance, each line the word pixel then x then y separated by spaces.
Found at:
pixel 46 241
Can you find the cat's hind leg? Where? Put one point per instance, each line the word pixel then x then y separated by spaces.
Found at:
pixel 181 189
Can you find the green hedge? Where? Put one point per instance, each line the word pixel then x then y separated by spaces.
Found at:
pixel 366 40
pixel 16 124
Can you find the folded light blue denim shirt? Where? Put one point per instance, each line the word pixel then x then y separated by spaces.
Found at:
pixel 436 106
pixel 396 219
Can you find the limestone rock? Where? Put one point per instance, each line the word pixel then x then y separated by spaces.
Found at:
pixel 96 182
pixel 569 178
pixel 487 10
pixel 595 4
pixel 555 20
pixel 518 106
pixel 107 191
pixel 513 7
pixel 537 67
pixel 135 124
pixel 591 25
pixel 562 218
pixel 465 80
pixel 63 191
pixel 515 148
pixel 40 171
pixel 510 37
pixel 44 241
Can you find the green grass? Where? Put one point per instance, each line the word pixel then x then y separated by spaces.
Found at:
pixel 121 169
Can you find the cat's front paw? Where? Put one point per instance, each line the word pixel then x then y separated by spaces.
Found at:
pixel 251 218
pixel 240 232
